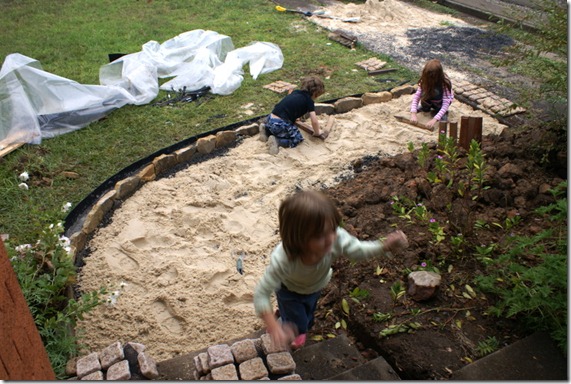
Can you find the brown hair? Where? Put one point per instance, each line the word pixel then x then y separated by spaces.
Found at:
pixel 313 85
pixel 302 216
pixel 432 77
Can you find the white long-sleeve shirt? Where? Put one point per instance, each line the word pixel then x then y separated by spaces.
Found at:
pixel 305 279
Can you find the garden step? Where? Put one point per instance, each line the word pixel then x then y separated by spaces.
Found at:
pixel 376 369
pixel 339 359
pixel 534 358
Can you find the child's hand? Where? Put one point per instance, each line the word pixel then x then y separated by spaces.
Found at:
pixel 431 123
pixel 413 118
pixel 395 241
pixel 282 335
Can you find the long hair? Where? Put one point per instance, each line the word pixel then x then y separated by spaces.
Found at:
pixel 432 78
pixel 313 85
pixel 302 216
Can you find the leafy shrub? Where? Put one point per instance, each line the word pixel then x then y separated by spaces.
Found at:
pixel 46 273
pixel 530 276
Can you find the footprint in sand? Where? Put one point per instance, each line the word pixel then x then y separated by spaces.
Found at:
pixel 122 258
pixel 166 318
pixel 169 277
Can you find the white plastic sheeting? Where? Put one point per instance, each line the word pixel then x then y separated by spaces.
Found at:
pixel 35 104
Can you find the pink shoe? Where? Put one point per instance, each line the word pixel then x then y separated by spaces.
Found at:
pixel 299 341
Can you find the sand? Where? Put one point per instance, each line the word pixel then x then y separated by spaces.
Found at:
pixel 170 252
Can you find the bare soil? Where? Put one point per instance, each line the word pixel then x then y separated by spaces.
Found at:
pixel 452 325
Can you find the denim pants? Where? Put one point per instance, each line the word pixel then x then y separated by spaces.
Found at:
pixel 286 133
pixel 297 308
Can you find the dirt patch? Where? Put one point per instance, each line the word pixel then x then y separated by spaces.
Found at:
pixel 451 324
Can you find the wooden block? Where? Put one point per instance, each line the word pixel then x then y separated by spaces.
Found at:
pixel 422 119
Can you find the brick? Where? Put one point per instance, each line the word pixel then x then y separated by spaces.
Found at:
pixel 126 187
pixel 136 346
pixel 148 366
pixel 224 138
pixel 97 375
pixel 219 355
pixel 280 363
pixel 405 89
pixel 88 364
pixel 268 346
pixel 205 145
pixel 244 350
pixel 347 104
pixel 248 130
pixel 203 356
pixel 111 355
pixel 184 155
pixel 119 371
pixel 376 97
pixel 295 376
pixel 253 369
pixel 71 367
pixel 148 173
pixel 324 109
pixel 225 372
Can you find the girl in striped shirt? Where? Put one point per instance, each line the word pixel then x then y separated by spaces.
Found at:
pixel 434 93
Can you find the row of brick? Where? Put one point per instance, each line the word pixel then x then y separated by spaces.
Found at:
pixel 115 362
pixel 247 359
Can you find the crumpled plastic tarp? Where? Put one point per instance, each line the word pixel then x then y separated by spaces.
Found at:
pixel 35 104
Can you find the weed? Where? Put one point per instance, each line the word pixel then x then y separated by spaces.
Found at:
pixel 530 275
pixel 358 294
pixel 487 346
pixel 45 271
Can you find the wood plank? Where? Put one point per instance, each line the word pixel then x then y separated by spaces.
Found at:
pixel 12 147
pixel 422 119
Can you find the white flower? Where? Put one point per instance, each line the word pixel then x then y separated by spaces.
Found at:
pixel 24 176
pixel 66 207
pixel 23 186
pixel 23 247
pixel 123 284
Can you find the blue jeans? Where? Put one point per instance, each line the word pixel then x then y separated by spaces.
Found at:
pixel 286 133
pixel 297 308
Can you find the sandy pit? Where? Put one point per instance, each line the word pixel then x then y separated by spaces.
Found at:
pixel 169 252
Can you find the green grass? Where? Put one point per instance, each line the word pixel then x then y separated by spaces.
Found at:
pixel 73 38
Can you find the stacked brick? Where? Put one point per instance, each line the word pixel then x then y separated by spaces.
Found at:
pixel 485 100
pixel 115 362
pixel 248 359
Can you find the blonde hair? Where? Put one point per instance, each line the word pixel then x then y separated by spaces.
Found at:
pixel 432 77
pixel 313 85
pixel 303 216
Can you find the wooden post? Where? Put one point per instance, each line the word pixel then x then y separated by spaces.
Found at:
pixel 478 129
pixel 454 131
pixel 463 140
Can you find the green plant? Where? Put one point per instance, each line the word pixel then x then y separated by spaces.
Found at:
pixel 487 346
pixel 476 165
pixel 400 328
pixel 45 272
pixel 423 154
pixel 437 231
pixel 530 276
pixel 397 291
pixel 380 317
pixel 358 294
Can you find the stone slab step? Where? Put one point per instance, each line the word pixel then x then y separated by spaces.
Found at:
pixel 377 369
pixel 533 358
pixel 334 357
